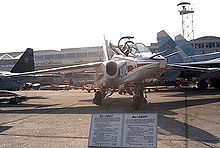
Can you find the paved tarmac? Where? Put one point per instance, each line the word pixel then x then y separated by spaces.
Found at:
pixel 186 118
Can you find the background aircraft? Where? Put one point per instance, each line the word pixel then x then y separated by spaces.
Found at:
pixel 191 52
pixel 11 97
pixel 189 67
pixel 135 64
pixel 24 64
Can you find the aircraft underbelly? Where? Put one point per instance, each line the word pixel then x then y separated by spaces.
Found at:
pixel 150 74
pixel 144 74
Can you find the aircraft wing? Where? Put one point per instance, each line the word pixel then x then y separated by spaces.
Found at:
pixel 191 68
pixel 200 72
pixel 212 74
pixel 72 68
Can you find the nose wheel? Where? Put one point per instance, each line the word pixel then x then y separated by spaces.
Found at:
pixel 139 97
pixel 136 102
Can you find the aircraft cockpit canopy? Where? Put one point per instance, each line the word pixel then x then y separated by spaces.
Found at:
pixel 139 48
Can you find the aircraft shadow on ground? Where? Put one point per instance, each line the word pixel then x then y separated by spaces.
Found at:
pixel 188 93
pixel 115 105
pixel 4 128
pixel 4 102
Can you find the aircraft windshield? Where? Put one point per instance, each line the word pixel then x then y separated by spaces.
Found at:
pixel 140 47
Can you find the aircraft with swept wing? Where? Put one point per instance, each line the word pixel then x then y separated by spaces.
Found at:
pixel 191 52
pixel 205 67
pixel 131 64
pixel 24 64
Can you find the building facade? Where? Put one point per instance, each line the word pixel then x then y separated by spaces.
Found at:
pixel 55 58
pixel 70 56
pixel 206 44
pixel 203 45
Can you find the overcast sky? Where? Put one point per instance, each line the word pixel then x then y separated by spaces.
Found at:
pixel 57 24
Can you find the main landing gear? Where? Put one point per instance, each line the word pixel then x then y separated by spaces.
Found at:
pixel 138 97
pixel 202 85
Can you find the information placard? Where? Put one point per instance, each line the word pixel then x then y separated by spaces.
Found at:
pixel 123 130
pixel 140 130
pixel 105 130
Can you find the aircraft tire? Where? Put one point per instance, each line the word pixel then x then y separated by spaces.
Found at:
pixel 14 100
pixel 98 98
pixel 202 85
pixel 215 83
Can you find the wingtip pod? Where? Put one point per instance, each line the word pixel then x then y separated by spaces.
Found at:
pixel 25 63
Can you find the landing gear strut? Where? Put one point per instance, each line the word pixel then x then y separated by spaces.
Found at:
pixel 98 98
pixel 139 97
pixel 101 94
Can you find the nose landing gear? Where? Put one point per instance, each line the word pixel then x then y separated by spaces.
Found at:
pixel 139 97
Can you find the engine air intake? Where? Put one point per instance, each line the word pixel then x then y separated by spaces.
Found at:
pixel 111 68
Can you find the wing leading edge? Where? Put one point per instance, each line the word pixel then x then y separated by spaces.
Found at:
pixel 72 68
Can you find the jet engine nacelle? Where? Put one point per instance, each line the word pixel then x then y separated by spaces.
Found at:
pixel 111 74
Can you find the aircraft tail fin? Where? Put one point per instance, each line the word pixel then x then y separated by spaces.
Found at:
pixel 172 53
pixel 25 63
pixel 166 44
pixel 184 45
pixel 105 50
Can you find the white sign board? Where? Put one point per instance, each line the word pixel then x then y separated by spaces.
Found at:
pixel 123 130
pixel 105 130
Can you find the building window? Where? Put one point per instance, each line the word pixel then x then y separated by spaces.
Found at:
pixel 39 57
pixel 202 45
pixel 59 56
pixel 93 54
pixel 213 44
pixel 217 44
pixel 207 45
pixel 196 45
pixel 49 57
pixel 70 55
pixel 81 54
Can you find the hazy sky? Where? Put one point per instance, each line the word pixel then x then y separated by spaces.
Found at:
pixel 56 24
